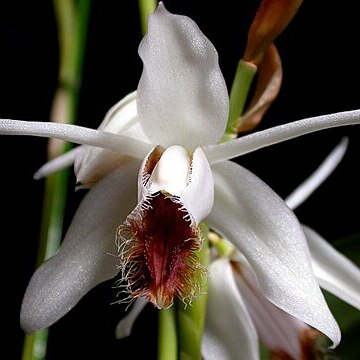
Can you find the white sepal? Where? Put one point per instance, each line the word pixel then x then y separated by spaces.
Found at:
pixel 335 273
pixel 304 190
pixel 258 222
pixel 87 255
pixel 182 95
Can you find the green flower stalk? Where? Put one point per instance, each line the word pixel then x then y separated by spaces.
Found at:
pixel 191 319
pixel 167 335
pixel 72 19
pixel 272 17
pixel 146 7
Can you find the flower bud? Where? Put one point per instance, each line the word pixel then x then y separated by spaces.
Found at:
pixel 272 17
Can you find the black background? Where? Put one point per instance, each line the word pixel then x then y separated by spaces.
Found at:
pixel 320 58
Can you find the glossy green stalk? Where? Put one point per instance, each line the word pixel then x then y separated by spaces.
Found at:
pixel 146 7
pixel 244 76
pixel 167 336
pixel 191 319
pixel 223 246
pixel 72 19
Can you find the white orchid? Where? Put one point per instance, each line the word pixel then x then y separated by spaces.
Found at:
pixel 242 311
pixel 238 313
pixel 174 122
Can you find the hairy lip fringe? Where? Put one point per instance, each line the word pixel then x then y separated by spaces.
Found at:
pixel 157 248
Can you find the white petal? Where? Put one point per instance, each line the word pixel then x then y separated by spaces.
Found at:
pixel 87 255
pixel 277 134
pixel 265 230
pixel 122 118
pixel 334 271
pixel 182 96
pixel 125 325
pixel 76 134
pixel 304 190
pixel 60 162
pixel 94 163
pixel 229 332
pixel 277 329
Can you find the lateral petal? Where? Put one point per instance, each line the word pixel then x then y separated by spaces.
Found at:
pixel 93 163
pixel 76 134
pixel 258 140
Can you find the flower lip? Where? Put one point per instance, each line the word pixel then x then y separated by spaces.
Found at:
pixel 157 247
pixel 157 243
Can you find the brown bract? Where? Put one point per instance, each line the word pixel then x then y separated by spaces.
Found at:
pixel 272 17
pixel 267 88
pixel 309 346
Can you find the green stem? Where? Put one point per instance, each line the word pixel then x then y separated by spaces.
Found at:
pixel 146 7
pixel 80 37
pixel 35 346
pixel 72 29
pixel 52 220
pixel 65 13
pixel 191 319
pixel 244 76
pixel 223 246
pixel 167 340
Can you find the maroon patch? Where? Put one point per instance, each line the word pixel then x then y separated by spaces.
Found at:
pixel 310 345
pixel 157 250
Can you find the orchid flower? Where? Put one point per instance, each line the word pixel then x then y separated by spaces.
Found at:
pixel 238 313
pixel 166 135
pixel 250 315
